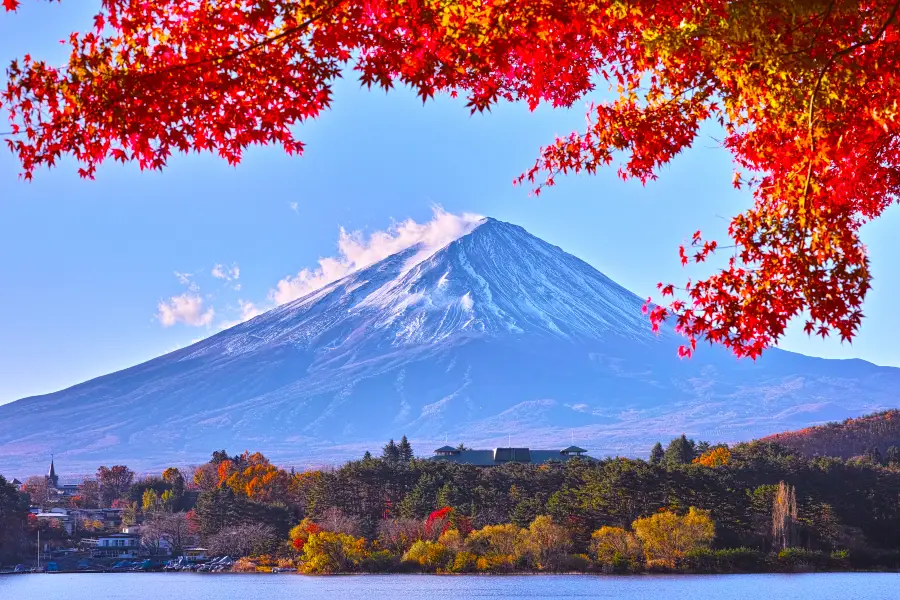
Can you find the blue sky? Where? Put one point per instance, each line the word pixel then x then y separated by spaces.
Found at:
pixel 84 265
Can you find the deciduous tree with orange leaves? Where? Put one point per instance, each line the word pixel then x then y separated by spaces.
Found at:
pixel 805 93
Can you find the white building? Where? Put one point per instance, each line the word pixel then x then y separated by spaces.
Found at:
pixel 114 545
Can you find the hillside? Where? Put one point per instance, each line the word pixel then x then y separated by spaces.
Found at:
pixel 851 437
pixel 498 336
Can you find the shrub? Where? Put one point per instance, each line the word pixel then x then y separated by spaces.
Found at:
pixel 452 540
pixel 798 559
pixel 378 561
pixel 493 539
pixel 329 552
pixel 464 562
pixel 244 565
pixel 495 563
pixel 575 563
pixel 544 543
pixel 615 545
pixel 430 556
pixel 732 560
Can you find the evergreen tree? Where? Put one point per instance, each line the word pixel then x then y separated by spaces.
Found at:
pixel 215 510
pixel 680 451
pixel 656 454
pixel 892 456
pixel 391 453
pixel 404 449
pixel 13 522
pixel 420 501
pixel 462 447
pixel 367 455
pixel 701 449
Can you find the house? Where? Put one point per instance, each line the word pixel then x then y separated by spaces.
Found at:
pixel 114 545
pixel 499 456
pixel 196 554
pixel 62 516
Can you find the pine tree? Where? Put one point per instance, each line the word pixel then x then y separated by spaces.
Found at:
pixel 216 509
pixel 391 453
pixel 367 455
pixel 656 454
pixel 405 450
pixel 680 451
pixel 701 449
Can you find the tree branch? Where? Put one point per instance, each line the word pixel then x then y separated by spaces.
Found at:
pixel 812 99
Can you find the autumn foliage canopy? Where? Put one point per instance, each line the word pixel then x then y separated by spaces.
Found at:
pixel 805 93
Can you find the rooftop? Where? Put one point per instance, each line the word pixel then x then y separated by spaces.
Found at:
pixel 499 456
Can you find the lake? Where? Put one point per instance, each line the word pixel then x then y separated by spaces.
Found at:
pixel 189 586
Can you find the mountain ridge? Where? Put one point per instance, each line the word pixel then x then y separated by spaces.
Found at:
pixel 497 333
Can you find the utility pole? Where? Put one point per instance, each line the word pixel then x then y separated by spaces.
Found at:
pixel 39 550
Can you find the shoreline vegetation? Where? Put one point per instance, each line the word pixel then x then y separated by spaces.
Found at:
pixel 691 508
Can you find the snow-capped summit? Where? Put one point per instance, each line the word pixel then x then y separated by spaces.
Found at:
pixel 496 333
pixel 496 280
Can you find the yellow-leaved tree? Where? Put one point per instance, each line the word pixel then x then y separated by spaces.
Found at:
pixel 667 536
pixel 613 546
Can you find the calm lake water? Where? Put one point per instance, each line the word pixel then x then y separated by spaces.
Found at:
pixel 146 586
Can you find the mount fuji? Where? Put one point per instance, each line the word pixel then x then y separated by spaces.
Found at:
pixel 498 335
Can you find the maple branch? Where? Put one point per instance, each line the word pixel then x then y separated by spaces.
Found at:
pixel 298 28
pixel 821 78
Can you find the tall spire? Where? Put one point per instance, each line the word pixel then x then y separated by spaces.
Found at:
pixel 52 478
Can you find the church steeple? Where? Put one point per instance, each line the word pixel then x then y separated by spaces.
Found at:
pixel 52 478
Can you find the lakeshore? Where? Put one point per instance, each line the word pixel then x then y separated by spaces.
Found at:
pixel 822 586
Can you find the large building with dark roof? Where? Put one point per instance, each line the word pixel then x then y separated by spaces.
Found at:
pixel 500 456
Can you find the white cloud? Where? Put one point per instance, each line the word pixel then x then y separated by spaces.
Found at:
pixel 185 279
pixel 186 308
pixel 356 252
pixel 294 207
pixel 227 273
pixel 248 311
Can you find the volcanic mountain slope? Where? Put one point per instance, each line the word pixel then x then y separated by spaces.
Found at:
pixel 497 334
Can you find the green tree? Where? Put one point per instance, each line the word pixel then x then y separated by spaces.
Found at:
pixel 13 520
pixel 404 450
pixel 680 451
pixel 656 454
pixel 216 510
pixel 390 452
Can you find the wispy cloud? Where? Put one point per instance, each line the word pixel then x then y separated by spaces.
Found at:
pixel 356 251
pixel 186 308
pixel 294 207
pixel 187 279
pixel 248 311
pixel 227 273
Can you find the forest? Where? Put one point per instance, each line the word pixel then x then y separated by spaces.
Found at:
pixel 876 434
pixel 690 507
